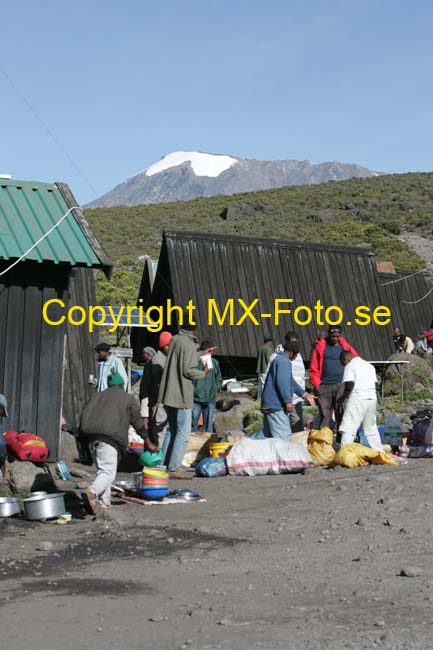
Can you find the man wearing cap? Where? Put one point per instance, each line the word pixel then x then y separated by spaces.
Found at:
pixel 326 372
pixel 205 391
pixel 298 371
pixel 3 449
pixel 277 396
pixel 158 420
pixel 104 424
pixel 108 362
pixel 263 355
pixel 176 393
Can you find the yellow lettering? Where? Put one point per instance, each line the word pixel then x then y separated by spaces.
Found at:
pixel 92 321
pixel 339 312
pixel 278 311
pixel 213 308
pixel 362 311
pixel 80 310
pixel 155 325
pixel 247 311
pixel 45 310
pixel 116 321
pixel 384 312
pixel 309 313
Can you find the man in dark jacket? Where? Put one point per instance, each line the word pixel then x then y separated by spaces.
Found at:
pixel 104 423
pixel 205 391
pixel 277 396
pixel 326 373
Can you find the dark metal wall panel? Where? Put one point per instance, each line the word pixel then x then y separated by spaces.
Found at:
pixel 408 297
pixel 80 349
pixel 31 350
pixel 198 266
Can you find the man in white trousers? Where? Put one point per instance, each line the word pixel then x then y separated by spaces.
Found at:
pixel 104 424
pixel 359 381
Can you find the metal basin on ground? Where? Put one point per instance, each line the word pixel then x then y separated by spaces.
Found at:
pixel 46 506
pixel 9 506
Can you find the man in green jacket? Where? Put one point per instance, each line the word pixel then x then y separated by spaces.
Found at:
pixel 104 423
pixel 176 393
pixel 205 391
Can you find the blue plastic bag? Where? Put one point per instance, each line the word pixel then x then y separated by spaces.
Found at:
pixel 211 467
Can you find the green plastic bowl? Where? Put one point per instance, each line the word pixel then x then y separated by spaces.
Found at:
pixel 150 459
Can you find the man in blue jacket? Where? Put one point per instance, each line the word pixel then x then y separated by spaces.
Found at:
pixel 278 393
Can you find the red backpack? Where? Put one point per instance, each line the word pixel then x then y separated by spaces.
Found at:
pixel 27 446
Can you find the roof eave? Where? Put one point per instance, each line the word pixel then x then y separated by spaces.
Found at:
pixel 86 228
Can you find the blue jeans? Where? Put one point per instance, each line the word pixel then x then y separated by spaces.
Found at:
pixel 277 425
pixel 208 411
pixel 176 437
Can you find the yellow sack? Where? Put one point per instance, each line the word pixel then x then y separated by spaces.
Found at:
pixel 356 455
pixel 320 446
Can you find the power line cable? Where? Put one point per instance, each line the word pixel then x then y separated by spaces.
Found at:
pixel 48 130
pixel 74 207
pixel 385 284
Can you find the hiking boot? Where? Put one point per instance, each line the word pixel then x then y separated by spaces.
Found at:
pixel 90 501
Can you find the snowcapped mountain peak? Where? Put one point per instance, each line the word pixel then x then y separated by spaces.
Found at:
pixel 203 164
pixel 186 175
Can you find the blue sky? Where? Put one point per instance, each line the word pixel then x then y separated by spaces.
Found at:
pixel 119 85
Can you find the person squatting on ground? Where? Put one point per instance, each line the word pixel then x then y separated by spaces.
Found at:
pixel 326 373
pixel 360 390
pixel 278 394
pixel 205 391
pixel 104 423
pixel 176 393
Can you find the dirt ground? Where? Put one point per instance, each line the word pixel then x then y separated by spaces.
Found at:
pixel 333 559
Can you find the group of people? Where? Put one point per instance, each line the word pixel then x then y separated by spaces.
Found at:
pixel 423 347
pixel 344 388
pixel 179 384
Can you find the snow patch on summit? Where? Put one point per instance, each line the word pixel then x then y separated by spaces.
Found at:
pixel 203 164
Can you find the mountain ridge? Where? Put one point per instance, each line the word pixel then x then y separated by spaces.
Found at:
pixel 186 175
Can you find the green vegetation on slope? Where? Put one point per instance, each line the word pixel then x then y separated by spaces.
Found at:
pixel 362 211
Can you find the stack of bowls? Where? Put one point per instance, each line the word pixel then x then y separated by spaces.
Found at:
pixel 154 483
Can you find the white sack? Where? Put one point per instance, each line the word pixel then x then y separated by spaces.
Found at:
pixel 268 456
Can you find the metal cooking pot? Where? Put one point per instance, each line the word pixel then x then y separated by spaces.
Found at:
pixel 47 506
pixel 9 506
pixel 40 493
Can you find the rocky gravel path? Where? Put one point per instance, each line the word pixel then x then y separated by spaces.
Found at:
pixel 333 559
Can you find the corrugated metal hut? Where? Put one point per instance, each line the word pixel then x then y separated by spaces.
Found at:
pixel 201 266
pixel 44 366
pixel 410 298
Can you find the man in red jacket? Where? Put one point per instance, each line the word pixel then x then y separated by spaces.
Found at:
pixel 326 372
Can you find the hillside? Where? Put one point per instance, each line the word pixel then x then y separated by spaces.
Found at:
pixel 186 175
pixel 377 211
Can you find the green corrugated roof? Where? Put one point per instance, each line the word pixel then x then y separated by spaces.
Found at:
pixel 28 210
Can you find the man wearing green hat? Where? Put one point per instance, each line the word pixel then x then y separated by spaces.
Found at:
pixel 104 423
